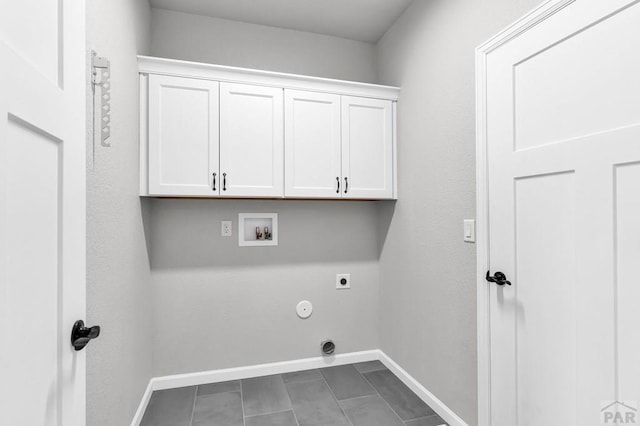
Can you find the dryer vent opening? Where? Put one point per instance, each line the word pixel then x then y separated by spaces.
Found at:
pixel 328 347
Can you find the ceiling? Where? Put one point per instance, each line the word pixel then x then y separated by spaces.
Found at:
pixel 364 20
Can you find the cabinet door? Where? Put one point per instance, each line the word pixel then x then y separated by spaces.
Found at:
pixel 251 141
pixel 367 148
pixel 312 145
pixel 183 136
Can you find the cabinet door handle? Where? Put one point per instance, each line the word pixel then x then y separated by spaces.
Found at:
pixel 214 182
pixel 224 181
pixel 346 185
pixel 338 180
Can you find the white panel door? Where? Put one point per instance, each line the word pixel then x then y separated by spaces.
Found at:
pixel 251 141
pixel 183 136
pixel 42 211
pixel 563 132
pixel 367 148
pixel 312 145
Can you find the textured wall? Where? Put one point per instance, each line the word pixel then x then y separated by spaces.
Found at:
pixel 428 282
pixel 118 276
pixel 218 41
pixel 219 305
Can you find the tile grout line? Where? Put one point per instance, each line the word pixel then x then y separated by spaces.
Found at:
pixel 443 422
pixel 221 393
pixel 286 388
pixel 305 380
pixel 359 397
pixel 193 407
pixel 295 417
pixel 382 397
pixel 426 417
pixel 244 419
pixel 388 405
pixel 335 398
pixel 371 384
pixel 269 413
pixel 289 398
pixel 272 412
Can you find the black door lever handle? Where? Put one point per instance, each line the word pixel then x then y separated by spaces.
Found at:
pixel 499 278
pixel 81 335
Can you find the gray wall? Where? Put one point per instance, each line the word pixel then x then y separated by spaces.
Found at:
pixel 218 305
pixel 428 282
pixel 118 276
pixel 219 41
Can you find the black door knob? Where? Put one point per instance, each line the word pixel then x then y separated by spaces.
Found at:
pixel 498 278
pixel 81 335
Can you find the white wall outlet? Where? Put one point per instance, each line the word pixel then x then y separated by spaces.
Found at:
pixel 469 231
pixel 343 281
pixel 226 229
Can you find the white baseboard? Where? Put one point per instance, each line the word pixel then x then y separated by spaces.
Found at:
pixel 214 376
pixel 430 399
pixel 237 373
pixel 137 419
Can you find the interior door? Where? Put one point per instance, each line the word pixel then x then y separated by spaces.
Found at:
pixel 312 145
pixel 183 136
pixel 563 129
pixel 367 148
pixel 42 211
pixel 251 141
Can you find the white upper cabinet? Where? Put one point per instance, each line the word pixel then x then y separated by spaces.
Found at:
pixel 367 148
pixel 183 130
pixel 215 131
pixel 251 141
pixel 312 145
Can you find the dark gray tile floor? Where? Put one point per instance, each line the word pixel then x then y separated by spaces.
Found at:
pixel 364 394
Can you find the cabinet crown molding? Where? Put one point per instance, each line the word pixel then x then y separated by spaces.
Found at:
pixel 172 67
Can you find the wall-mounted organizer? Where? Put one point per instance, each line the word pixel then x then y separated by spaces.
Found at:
pixel 101 77
pixel 213 131
pixel 258 229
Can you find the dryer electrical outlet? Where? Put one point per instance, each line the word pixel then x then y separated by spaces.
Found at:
pixel 343 281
